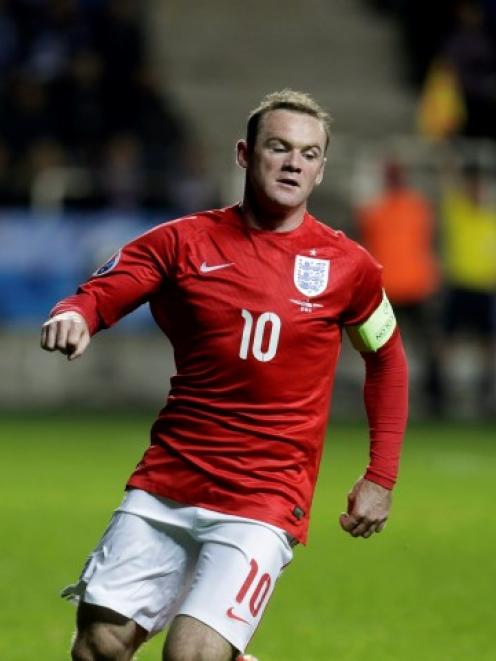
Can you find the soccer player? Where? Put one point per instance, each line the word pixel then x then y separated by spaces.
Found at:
pixel 254 299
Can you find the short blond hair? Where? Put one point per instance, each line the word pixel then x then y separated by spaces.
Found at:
pixel 286 99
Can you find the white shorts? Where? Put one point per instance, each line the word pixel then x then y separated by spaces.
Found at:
pixel 158 558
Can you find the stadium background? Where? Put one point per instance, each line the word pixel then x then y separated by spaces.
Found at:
pixel 114 117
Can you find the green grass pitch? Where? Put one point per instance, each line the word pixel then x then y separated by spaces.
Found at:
pixel 424 589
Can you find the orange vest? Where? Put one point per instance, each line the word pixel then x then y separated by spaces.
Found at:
pixel 397 230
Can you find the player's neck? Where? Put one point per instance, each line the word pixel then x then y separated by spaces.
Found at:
pixel 273 220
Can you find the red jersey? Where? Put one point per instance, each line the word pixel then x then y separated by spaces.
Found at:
pixel 255 319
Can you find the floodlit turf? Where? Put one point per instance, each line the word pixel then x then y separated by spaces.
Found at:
pixel 422 590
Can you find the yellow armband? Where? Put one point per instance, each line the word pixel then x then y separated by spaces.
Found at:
pixel 373 333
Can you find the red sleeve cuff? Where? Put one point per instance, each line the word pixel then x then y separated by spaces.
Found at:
pixel 382 480
pixel 82 303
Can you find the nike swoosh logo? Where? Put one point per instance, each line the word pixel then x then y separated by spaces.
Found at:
pixel 205 268
pixel 230 613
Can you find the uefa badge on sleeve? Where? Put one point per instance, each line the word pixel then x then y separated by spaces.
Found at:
pixel 109 264
pixel 311 275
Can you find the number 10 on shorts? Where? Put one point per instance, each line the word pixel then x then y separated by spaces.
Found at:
pixel 258 590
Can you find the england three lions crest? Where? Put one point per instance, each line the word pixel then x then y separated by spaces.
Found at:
pixel 311 275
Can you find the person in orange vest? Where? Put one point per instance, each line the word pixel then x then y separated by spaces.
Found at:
pixel 397 228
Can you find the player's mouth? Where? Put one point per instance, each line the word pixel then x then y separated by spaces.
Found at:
pixel 288 182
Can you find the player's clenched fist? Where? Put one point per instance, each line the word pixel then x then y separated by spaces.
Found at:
pixel 368 509
pixel 66 332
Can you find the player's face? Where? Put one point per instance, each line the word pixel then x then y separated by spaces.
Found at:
pixel 287 160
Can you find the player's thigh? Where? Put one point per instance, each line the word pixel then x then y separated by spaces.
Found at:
pixel 235 576
pixel 140 569
pixel 188 636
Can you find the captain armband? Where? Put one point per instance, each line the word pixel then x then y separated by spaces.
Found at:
pixel 373 333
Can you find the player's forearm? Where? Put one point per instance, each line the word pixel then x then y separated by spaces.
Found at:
pixel 127 280
pixel 386 402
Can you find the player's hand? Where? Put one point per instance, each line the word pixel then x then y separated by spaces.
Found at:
pixel 66 332
pixel 368 509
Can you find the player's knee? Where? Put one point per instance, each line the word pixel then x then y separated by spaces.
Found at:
pixel 191 640
pixel 100 642
pixel 197 654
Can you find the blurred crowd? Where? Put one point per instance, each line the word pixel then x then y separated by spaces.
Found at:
pixel 439 259
pixel 438 242
pixel 450 45
pixel 82 115
pixel 84 123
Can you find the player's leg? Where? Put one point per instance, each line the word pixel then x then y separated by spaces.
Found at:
pixel 130 586
pixel 105 634
pixel 187 636
pixel 238 566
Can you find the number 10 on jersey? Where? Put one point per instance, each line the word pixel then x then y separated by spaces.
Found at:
pixel 261 334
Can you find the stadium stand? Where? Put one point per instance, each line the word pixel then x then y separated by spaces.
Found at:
pixel 117 115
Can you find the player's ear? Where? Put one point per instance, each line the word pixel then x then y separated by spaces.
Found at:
pixel 320 174
pixel 242 154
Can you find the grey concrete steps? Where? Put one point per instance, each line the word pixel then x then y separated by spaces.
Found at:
pixel 220 57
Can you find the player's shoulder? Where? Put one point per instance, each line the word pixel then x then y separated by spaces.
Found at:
pixel 194 223
pixel 338 240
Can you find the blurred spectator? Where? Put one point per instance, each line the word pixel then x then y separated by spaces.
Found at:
pixel 470 51
pixel 423 27
pixel 469 252
pixel 25 113
pixel 398 230
pixel 457 39
pixel 120 41
pixel 143 110
pixel 77 101
pixel 7 188
pixel 50 41
pixel 9 41
pixel 441 110
pixel 73 75
pixel 189 186
pixel 122 177
pixel 44 154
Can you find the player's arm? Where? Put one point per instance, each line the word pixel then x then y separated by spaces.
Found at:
pixel 126 281
pixel 386 401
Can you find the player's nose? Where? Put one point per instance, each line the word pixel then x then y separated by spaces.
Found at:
pixel 292 163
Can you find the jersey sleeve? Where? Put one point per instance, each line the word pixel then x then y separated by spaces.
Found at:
pixel 369 320
pixel 128 279
pixel 386 403
pixel 365 290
